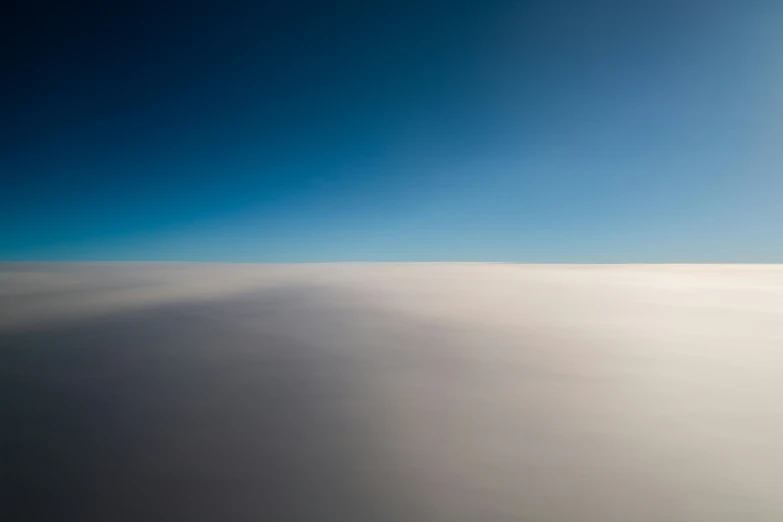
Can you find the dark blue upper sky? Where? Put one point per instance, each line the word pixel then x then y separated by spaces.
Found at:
pixel 531 131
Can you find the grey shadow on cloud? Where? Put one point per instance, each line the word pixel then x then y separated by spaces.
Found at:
pixel 203 411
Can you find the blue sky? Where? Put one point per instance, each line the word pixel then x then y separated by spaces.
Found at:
pixel 547 131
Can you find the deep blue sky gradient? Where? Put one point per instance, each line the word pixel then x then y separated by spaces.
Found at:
pixel 539 131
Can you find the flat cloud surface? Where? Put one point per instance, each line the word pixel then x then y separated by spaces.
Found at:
pixel 392 392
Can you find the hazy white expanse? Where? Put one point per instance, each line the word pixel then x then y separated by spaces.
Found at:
pixel 400 392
